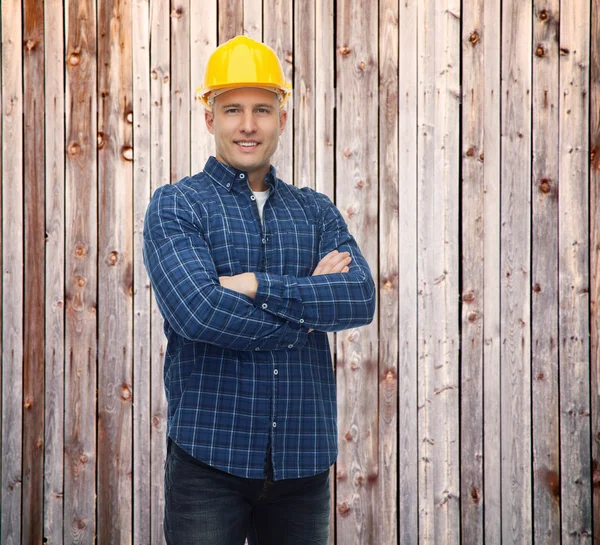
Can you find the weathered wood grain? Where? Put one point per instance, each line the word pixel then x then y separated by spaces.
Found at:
pixel 253 16
pixel 438 184
pixel 180 89
pixel 278 34
pixel 544 274
pixel 115 269
pixel 81 248
pixel 303 128
pixel 33 341
pixel 203 41
pixel 515 269
pixel 141 341
pixel 12 272
pixel 358 475
pixel 231 19
pixel 491 266
pixel 408 449
pixel 324 97
pixel 573 273
pixel 386 525
pixel 160 168
pixel 595 260
pixel 55 272
pixel 473 274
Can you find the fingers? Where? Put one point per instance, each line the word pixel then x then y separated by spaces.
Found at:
pixel 333 262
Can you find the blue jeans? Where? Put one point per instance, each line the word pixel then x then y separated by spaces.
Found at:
pixel 205 506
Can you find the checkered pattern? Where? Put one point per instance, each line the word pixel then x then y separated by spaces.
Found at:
pixel 244 374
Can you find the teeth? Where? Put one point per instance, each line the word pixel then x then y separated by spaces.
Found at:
pixel 247 144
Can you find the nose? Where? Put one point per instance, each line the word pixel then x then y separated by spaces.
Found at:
pixel 248 124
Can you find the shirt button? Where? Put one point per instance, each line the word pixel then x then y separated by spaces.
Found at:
pixel 252 198
pixel 275 372
pixel 301 320
pixel 290 346
pixel 274 424
pixel 242 176
pixel 228 185
pixel 264 240
pixel 257 348
pixel 264 305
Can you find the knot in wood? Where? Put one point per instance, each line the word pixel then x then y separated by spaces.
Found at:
pixel 564 51
pixel 28 403
pixel 100 140
pixel 470 152
pixel 539 51
pixel 80 250
pixel 481 157
pixel 74 59
pixel 360 184
pixel 348 436
pixel 31 44
pixel 104 93
pixel 545 186
pixel 475 494
pixel 474 37
pixel 154 74
pixel 127 153
pixel 343 509
pixel 473 317
pixel 362 65
pixel 129 117
pixel 344 50
pixel 156 421
pixel 543 15
pixel 125 392
pixel 81 281
pixel 387 285
pixel 83 459
pixel 80 524
pixel 469 297
pixel 177 13
pixel 537 288
pixel 113 258
pixel 74 149
pixel 347 153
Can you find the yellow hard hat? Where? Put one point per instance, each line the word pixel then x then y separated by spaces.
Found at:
pixel 243 62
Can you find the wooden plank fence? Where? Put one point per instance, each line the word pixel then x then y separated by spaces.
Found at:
pixel 461 141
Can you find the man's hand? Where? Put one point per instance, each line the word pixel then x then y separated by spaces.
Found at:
pixel 333 262
pixel 244 283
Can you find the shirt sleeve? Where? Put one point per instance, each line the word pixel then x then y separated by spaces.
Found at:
pixel 187 289
pixel 328 302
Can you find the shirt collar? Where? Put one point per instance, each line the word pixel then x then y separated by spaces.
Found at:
pixel 227 176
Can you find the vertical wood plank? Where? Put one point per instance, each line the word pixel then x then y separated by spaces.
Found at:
pixel 438 121
pixel 515 267
pixel 358 476
pixel 160 168
pixel 203 41
pixel 115 269
pixel 34 225
pixel 303 126
pixel 324 134
pixel 595 260
pixel 544 320
pixel 253 16
pixel 386 529
pixel 573 273
pixel 12 272
pixel 55 274
pixel 141 341
pixel 231 17
pixel 180 89
pixel 473 311
pixel 408 449
pixel 491 296
pixel 324 97
pixel 81 275
pixel 278 34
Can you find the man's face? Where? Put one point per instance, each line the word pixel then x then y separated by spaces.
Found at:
pixel 246 124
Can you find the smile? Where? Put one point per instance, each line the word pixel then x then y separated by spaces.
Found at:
pixel 247 144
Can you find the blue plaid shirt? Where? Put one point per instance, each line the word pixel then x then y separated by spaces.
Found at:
pixel 242 375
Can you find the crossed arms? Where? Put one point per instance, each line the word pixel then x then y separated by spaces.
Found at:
pixel 251 311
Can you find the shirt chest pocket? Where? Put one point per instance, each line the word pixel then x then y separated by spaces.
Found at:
pixel 293 250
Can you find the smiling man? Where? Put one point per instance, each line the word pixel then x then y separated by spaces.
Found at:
pixel 250 273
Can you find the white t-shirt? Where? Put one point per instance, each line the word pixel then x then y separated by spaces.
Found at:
pixel 261 199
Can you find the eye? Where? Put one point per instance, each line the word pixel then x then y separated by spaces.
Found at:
pixel 231 110
pixel 263 111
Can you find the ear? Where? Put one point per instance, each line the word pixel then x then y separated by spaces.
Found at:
pixel 282 120
pixel 209 118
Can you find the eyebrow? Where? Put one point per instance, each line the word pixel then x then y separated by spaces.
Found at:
pixel 238 105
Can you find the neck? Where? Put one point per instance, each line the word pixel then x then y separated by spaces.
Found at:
pixel 256 181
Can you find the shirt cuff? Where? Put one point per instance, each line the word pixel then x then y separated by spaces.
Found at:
pixel 279 295
pixel 294 336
